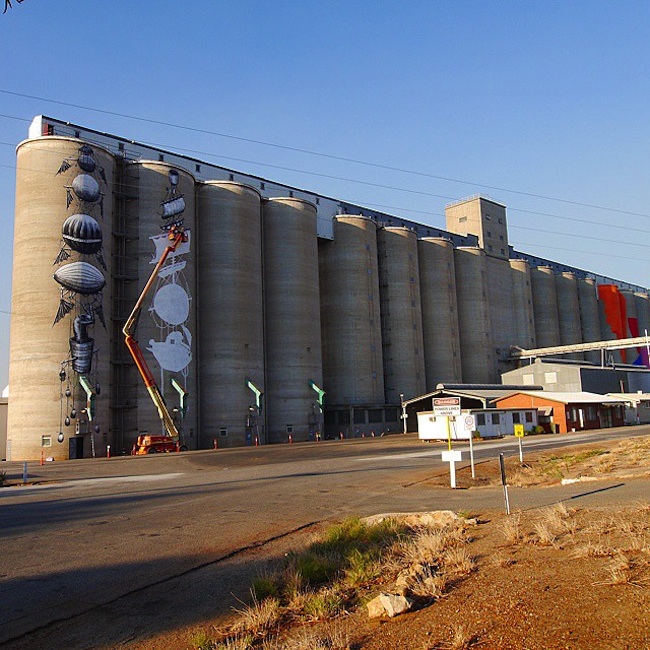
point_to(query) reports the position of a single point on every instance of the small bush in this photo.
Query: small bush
(323, 604)
(3, 478)
(265, 586)
(201, 641)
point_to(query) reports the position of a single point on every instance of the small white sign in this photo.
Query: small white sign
(469, 423)
(452, 456)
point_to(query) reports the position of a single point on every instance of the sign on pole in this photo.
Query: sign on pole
(446, 406)
(470, 426)
(519, 434)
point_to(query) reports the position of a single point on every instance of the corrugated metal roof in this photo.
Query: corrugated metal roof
(578, 397)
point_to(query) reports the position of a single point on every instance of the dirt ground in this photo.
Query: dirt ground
(544, 579)
(553, 578)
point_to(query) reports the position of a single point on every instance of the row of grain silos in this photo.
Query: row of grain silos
(254, 315)
(402, 314)
(232, 321)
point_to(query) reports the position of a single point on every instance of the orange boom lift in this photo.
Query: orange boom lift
(148, 444)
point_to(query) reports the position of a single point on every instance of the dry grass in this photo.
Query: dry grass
(458, 562)
(258, 617)
(428, 584)
(332, 637)
(460, 639)
(511, 529)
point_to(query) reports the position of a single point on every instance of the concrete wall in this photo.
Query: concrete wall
(4, 405)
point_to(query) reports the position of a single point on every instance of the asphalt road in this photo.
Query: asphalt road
(84, 535)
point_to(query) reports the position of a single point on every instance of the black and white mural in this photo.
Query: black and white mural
(170, 307)
(80, 275)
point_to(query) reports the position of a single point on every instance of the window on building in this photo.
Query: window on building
(480, 419)
(529, 417)
(495, 418)
(462, 219)
(289, 428)
(375, 416)
(46, 441)
(391, 415)
(359, 416)
(516, 418)
(550, 377)
(223, 432)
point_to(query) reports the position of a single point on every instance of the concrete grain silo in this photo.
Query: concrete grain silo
(353, 371)
(401, 314)
(231, 314)
(167, 327)
(439, 312)
(502, 313)
(607, 334)
(566, 289)
(60, 318)
(522, 305)
(642, 303)
(547, 325)
(631, 314)
(478, 360)
(292, 309)
(589, 320)
(643, 312)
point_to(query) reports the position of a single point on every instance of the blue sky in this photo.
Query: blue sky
(541, 98)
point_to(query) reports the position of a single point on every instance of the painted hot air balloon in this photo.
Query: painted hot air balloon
(86, 160)
(82, 233)
(86, 188)
(172, 304)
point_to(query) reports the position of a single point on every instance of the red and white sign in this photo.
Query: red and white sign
(446, 406)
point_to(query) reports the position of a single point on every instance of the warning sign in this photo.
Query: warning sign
(519, 430)
(446, 406)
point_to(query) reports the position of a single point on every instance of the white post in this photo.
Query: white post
(471, 453)
(452, 457)
(521, 453)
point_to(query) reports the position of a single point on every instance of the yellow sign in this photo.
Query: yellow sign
(519, 430)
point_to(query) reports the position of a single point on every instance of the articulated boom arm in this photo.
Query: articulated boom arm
(176, 237)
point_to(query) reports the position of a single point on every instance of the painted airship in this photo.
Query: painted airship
(82, 233)
(80, 277)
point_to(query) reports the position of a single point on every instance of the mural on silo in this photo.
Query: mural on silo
(170, 308)
(80, 279)
(623, 320)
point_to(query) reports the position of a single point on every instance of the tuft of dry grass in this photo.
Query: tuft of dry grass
(460, 639)
(593, 549)
(458, 562)
(257, 617)
(428, 583)
(332, 637)
(544, 534)
(511, 529)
